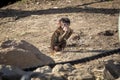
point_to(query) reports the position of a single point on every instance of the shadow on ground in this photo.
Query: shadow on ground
(86, 51)
(21, 13)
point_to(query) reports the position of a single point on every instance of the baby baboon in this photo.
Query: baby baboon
(59, 37)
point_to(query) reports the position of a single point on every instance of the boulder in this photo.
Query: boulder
(58, 68)
(45, 69)
(68, 67)
(71, 78)
(102, 73)
(22, 54)
(86, 76)
(10, 73)
(81, 74)
(34, 76)
(42, 76)
(114, 68)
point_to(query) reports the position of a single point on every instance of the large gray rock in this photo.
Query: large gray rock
(10, 73)
(22, 54)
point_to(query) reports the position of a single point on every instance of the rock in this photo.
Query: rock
(45, 69)
(8, 43)
(62, 71)
(58, 68)
(10, 72)
(36, 79)
(34, 76)
(107, 33)
(82, 74)
(102, 73)
(71, 78)
(114, 68)
(68, 67)
(79, 72)
(81, 77)
(86, 76)
(22, 54)
(58, 76)
(42, 76)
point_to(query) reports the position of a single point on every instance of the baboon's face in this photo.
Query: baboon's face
(63, 25)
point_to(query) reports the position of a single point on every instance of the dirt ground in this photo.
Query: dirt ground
(95, 25)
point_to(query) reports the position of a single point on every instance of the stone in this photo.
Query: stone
(68, 67)
(35, 79)
(22, 54)
(57, 76)
(45, 69)
(82, 74)
(78, 72)
(34, 76)
(71, 78)
(114, 68)
(86, 76)
(10, 72)
(102, 73)
(58, 68)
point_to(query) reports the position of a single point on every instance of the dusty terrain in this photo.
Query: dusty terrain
(95, 25)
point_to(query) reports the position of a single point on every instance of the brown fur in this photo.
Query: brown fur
(57, 45)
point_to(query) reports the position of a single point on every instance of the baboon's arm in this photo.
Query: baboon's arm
(62, 36)
(66, 35)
